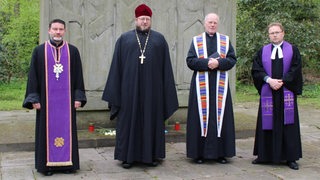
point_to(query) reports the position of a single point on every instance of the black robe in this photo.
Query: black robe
(212, 146)
(283, 141)
(36, 92)
(142, 96)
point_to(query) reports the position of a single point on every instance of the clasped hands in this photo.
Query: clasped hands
(275, 84)
(213, 63)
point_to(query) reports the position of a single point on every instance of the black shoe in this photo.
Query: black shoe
(256, 161)
(198, 160)
(293, 165)
(48, 173)
(222, 160)
(154, 163)
(69, 172)
(126, 165)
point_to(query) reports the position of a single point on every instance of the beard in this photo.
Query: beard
(57, 39)
(143, 29)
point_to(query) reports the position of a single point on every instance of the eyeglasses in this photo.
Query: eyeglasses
(275, 33)
(144, 19)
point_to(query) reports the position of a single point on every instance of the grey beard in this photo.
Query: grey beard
(57, 39)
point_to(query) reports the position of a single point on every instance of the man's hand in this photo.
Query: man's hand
(275, 84)
(36, 106)
(213, 63)
(77, 104)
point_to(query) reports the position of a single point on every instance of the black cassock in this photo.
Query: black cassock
(212, 146)
(36, 92)
(142, 96)
(283, 141)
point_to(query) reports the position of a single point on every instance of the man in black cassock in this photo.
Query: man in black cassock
(276, 72)
(55, 89)
(210, 123)
(141, 92)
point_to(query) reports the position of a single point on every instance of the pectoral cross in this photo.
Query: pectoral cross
(57, 69)
(142, 57)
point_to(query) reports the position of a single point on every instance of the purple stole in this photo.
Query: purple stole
(202, 83)
(266, 91)
(58, 98)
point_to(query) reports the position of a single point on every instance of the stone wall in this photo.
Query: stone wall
(94, 26)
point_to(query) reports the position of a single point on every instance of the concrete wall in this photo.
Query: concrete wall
(94, 26)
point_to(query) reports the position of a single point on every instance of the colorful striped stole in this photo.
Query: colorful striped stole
(202, 83)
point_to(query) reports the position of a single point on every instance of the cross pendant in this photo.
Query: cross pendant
(142, 57)
(57, 69)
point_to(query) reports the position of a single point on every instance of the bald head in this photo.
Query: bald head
(211, 22)
(211, 15)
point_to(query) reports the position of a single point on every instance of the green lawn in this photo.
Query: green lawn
(12, 95)
(246, 93)
(310, 95)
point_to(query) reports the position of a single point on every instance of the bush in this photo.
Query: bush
(300, 19)
(19, 29)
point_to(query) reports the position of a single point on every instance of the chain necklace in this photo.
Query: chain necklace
(57, 67)
(142, 57)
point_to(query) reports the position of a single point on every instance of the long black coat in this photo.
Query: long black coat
(212, 146)
(142, 96)
(283, 142)
(36, 92)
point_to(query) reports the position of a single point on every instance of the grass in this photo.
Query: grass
(246, 93)
(310, 95)
(12, 95)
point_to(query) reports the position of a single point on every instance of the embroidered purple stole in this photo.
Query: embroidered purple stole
(266, 91)
(58, 98)
(202, 83)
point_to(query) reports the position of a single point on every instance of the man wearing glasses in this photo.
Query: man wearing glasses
(277, 76)
(141, 92)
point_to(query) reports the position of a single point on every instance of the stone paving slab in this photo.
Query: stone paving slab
(98, 164)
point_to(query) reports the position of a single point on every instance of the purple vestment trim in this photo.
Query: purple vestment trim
(59, 134)
(266, 91)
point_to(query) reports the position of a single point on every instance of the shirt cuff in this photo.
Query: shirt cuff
(266, 79)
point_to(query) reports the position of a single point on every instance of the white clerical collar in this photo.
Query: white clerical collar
(274, 51)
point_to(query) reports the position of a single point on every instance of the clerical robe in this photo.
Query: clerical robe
(141, 96)
(211, 146)
(282, 142)
(36, 93)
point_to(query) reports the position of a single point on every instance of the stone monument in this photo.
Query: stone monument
(94, 26)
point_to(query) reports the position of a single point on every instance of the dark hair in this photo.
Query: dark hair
(57, 21)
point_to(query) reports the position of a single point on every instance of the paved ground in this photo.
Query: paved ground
(17, 157)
